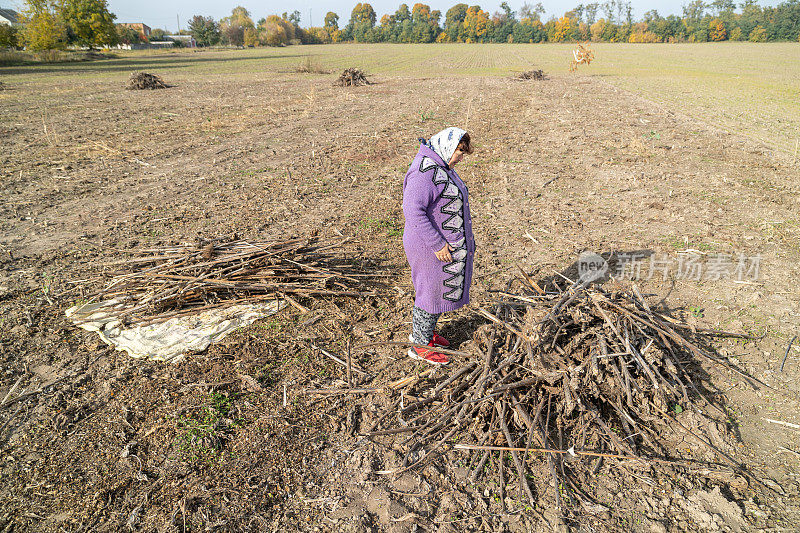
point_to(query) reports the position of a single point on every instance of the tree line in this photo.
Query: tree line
(57, 23)
(609, 21)
(239, 29)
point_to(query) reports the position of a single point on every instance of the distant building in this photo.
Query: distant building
(143, 29)
(161, 44)
(187, 40)
(9, 16)
(146, 46)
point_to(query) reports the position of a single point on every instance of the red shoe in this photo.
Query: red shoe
(429, 356)
(438, 340)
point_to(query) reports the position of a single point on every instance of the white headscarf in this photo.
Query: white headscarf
(445, 143)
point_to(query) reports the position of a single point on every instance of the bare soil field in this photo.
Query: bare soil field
(93, 440)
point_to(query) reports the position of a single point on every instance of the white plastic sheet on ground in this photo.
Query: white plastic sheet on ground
(172, 339)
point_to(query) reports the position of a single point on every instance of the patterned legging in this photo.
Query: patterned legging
(422, 324)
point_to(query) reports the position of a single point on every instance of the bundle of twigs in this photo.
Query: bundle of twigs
(352, 77)
(172, 281)
(578, 372)
(143, 81)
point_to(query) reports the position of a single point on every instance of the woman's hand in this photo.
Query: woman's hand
(444, 254)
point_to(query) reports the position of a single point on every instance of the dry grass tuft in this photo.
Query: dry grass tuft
(310, 66)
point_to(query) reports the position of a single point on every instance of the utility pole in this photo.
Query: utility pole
(310, 20)
(178, 18)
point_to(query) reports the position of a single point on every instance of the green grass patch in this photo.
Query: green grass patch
(686, 242)
(390, 227)
(203, 432)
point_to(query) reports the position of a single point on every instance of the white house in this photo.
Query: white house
(9, 16)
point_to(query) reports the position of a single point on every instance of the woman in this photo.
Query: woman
(438, 237)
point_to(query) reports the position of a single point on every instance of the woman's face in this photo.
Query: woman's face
(458, 155)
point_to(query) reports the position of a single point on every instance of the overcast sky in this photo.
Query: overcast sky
(165, 14)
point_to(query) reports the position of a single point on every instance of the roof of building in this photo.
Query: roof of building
(10, 15)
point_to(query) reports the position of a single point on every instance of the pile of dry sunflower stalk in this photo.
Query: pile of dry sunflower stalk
(144, 81)
(531, 75)
(566, 378)
(352, 77)
(177, 280)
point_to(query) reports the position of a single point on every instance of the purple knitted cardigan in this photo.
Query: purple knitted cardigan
(436, 208)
